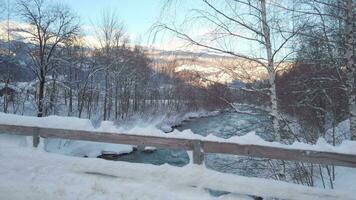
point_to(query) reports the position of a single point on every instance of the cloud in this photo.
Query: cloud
(13, 25)
(170, 41)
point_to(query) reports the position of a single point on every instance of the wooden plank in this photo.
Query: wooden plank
(316, 157)
(18, 130)
(118, 138)
(198, 155)
(36, 137)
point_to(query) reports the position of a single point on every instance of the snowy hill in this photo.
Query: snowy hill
(211, 66)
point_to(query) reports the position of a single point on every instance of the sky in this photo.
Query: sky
(137, 15)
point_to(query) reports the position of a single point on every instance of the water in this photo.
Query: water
(228, 124)
(224, 125)
(159, 157)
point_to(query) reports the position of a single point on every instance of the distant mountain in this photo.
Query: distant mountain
(209, 66)
(17, 65)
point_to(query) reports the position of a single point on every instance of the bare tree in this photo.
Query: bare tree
(233, 22)
(7, 76)
(49, 26)
(335, 21)
(109, 34)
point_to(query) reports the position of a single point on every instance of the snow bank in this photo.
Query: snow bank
(66, 147)
(342, 132)
(31, 174)
(347, 147)
(84, 148)
(166, 122)
(72, 123)
(163, 121)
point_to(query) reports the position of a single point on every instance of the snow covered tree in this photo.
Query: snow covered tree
(109, 33)
(261, 24)
(331, 33)
(49, 26)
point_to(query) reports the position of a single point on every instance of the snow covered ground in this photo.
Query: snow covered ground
(27, 173)
(33, 174)
(95, 149)
(72, 123)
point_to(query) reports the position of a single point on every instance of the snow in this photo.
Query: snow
(69, 147)
(150, 148)
(72, 123)
(167, 122)
(19, 86)
(198, 68)
(28, 173)
(342, 132)
(85, 149)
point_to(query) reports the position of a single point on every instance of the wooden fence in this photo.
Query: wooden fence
(199, 147)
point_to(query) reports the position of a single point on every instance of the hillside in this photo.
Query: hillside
(211, 67)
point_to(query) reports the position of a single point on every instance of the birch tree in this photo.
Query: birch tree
(350, 56)
(233, 22)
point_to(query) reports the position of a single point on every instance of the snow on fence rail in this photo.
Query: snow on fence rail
(198, 146)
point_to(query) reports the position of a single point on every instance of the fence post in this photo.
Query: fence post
(36, 137)
(198, 155)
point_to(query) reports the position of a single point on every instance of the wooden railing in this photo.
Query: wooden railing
(199, 147)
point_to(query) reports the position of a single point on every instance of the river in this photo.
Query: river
(224, 125)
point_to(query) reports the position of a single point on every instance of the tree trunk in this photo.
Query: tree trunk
(41, 97)
(351, 67)
(105, 95)
(70, 104)
(81, 100)
(6, 96)
(116, 99)
(271, 71)
(53, 97)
